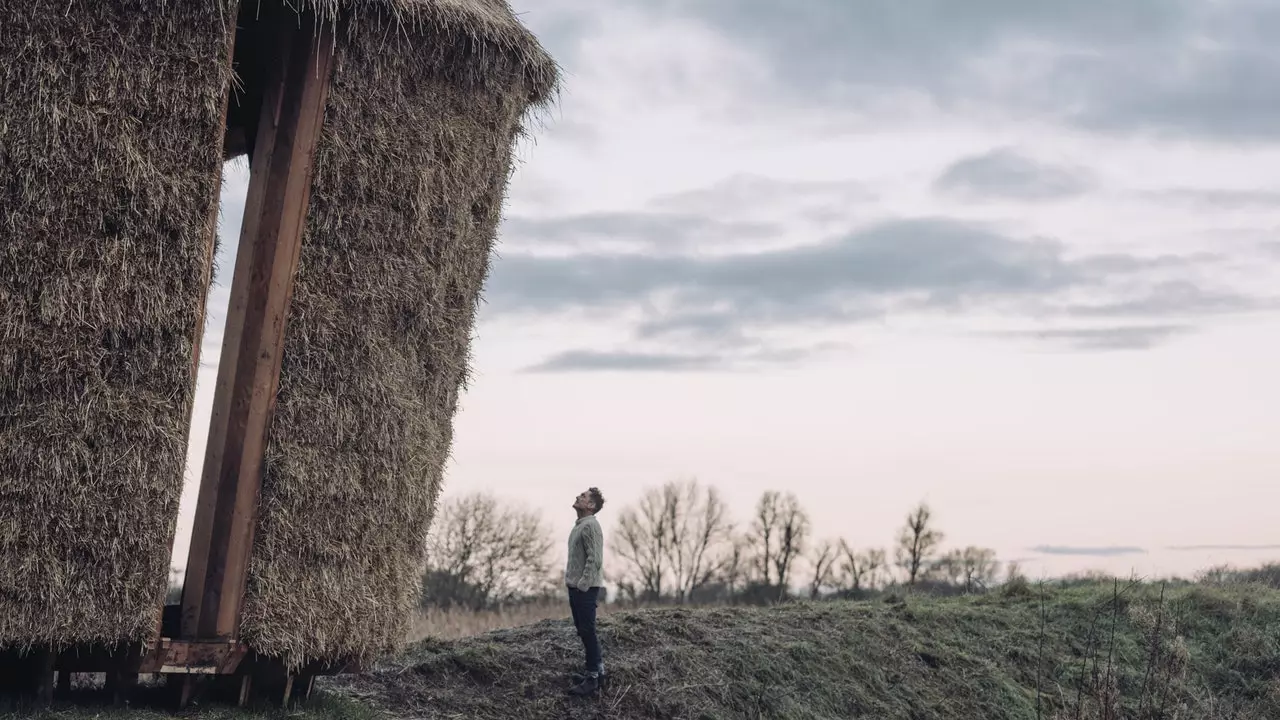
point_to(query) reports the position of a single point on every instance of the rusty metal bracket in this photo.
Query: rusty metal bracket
(193, 657)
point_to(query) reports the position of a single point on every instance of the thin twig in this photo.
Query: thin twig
(1111, 650)
(1084, 662)
(1153, 657)
(1040, 653)
(1168, 677)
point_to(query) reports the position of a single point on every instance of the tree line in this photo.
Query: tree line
(678, 543)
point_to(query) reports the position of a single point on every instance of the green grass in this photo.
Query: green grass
(1217, 655)
(977, 657)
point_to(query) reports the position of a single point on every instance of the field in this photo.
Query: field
(1084, 652)
(458, 624)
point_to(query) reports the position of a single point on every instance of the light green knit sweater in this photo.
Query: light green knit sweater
(585, 568)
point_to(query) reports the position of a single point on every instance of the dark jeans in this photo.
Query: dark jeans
(583, 605)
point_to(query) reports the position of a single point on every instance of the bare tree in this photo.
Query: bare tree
(859, 570)
(673, 540)
(979, 568)
(699, 523)
(640, 540)
(763, 536)
(972, 569)
(822, 561)
(917, 543)
(779, 533)
(948, 569)
(734, 566)
(482, 552)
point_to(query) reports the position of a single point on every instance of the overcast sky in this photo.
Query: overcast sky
(1017, 258)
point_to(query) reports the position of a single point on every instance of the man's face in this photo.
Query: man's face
(583, 502)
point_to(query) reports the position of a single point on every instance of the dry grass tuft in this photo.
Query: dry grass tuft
(457, 623)
(109, 114)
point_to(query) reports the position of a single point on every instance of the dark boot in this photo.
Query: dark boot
(590, 685)
(602, 679)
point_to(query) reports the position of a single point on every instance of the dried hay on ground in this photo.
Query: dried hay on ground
(108, 169)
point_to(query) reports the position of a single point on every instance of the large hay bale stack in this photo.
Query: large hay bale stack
(108, 172)
(409, 181)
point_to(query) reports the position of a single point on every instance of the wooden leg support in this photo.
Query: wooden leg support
(286, 699)
(64, 684)
(186, 691)
(246, 688)
(45, 678)
(27, 678)
(308, 687)
(120, 685)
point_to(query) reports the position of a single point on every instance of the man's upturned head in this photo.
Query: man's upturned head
(589, 502)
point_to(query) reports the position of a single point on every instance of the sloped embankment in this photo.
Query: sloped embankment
(1196, 652)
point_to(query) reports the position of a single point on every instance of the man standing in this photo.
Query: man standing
(584, 574)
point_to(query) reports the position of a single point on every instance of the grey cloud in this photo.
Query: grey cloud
(935, 261)
(1004, 173)
(927, 264)
(1174, 298)
(721, 303)
(1195, 548)
(731, 356)
(656, 230)
(231, 202)
(1104, 551)
(595, 361)
(1175, 66)
(1227, 91)
(746, 191)
(560, 25)
(1217, 198)
(1107, 338)
(676, 221)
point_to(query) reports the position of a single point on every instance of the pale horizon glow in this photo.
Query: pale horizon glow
(1051, 316)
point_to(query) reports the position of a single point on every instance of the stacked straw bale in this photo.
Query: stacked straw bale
(427, 100)
(108, 168)
(109, 115)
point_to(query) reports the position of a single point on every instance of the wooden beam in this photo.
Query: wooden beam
(248, 376)
(190, 657)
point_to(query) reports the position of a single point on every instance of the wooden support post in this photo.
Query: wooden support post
(246, 690)
(186, 691)
(308, 687)
(42, 666)
(286, 699)
(121, 684)
(248, 375)
(64, 683)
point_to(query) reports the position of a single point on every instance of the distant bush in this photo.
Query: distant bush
(1267, 575)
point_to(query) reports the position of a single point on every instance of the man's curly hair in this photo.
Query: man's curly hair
(596, 498)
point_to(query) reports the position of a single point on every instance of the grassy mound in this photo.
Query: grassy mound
(1195, 652)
